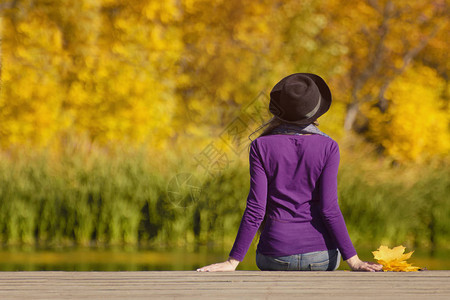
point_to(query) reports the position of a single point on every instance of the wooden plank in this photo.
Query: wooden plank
(239, 284)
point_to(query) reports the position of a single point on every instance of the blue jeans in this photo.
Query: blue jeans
(327, 260)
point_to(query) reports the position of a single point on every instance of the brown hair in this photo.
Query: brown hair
(271, 124)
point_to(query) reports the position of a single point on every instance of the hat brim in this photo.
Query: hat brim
(325, 103)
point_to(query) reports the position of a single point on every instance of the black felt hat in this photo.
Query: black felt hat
(300, 98)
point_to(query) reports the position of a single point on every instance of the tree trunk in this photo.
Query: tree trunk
(350, 116)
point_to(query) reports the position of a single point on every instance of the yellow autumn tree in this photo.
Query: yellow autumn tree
(383, 40)
(382, 47)
(122, 77)
(415, 125)
(156, 72)
(32, 91)
(103, 69)
(224, 62)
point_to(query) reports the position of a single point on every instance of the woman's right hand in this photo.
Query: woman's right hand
(357, 264)
(228, 265)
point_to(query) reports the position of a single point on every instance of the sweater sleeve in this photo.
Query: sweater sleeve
(256, 206)
(331, 213)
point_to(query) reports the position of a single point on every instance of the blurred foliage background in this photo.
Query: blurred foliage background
(126, 122)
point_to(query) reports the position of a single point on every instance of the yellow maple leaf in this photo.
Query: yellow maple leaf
(394, 259)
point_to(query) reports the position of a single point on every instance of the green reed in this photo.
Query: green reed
(397, 209)
(97, 198)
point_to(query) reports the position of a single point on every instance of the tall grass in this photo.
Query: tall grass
(393, 212)
(98, 198)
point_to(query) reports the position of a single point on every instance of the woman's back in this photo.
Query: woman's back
(294, 178)
(293, 165)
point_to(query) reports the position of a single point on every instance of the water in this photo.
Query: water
(122, 259)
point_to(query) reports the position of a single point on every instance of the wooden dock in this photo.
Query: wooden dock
(229, 285)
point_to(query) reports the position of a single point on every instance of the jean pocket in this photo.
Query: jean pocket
(268, 263)
(278, 264)
(321, 266)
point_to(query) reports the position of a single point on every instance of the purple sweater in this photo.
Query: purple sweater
(294, 179)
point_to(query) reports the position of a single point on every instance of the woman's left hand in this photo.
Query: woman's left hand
(229, 265)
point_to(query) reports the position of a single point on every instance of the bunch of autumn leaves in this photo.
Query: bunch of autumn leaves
(394, 259)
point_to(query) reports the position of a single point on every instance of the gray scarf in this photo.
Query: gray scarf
(286, 128)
